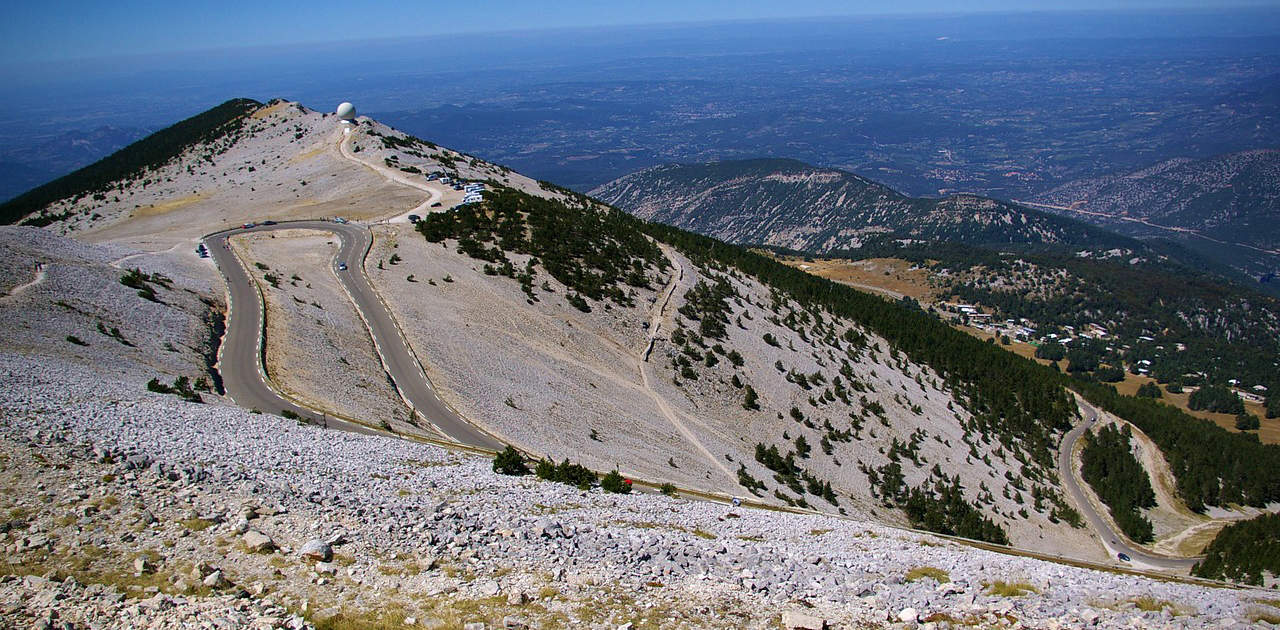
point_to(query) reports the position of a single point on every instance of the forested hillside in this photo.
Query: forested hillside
(1212, 466)
(1247, 552)
(1124, 309)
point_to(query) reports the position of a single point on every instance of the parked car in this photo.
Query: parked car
(339, 220)
(413, 218)
(342, 266)
(268, 222)
(435, 205)
(1124, 557)
(247, 225)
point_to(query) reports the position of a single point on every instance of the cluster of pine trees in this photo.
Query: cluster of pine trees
(1217, 398)
(593, 252)
(937, 505)
(1244, 552)
(790, 474)
(708, 305)
(1119, 480)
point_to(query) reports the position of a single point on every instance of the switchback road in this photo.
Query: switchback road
(242, 347)
(1115, 542)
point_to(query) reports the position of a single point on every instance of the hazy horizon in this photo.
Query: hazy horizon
(480, 92)
(40, 34)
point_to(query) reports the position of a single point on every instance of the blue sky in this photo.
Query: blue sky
(73, 29)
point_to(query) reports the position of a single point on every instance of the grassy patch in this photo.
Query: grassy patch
(408, 569)
(196, 524)
(94, 565)
(1146, 603)
(1257, 615)
(1001, 588)
(700, 533)
(932, 573)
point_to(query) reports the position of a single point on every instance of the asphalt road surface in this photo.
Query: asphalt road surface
(241, 361)
(1115, 542)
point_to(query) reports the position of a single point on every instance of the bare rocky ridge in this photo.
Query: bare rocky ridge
(283, 163)
(790, 204)
(1233, 197)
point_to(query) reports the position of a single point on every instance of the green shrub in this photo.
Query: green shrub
(1248, 422)
(1149, 390)
(510, 462)
(667, 489)
(567, 473)
(613, 482)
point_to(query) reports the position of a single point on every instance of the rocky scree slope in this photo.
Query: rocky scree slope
(786, 203)
(791, 399)
(129, 324)
(129, 509)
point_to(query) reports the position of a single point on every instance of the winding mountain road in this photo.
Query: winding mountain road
(240, 360)
(1115, 542)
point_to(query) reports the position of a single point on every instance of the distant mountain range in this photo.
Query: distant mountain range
(787, 203)
(1233, 199)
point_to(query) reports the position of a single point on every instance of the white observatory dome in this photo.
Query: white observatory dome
(346, 111)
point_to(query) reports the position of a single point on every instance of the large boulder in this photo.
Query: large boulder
(792, 620)
(316, 549)
(215, 580)
(256, 541)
